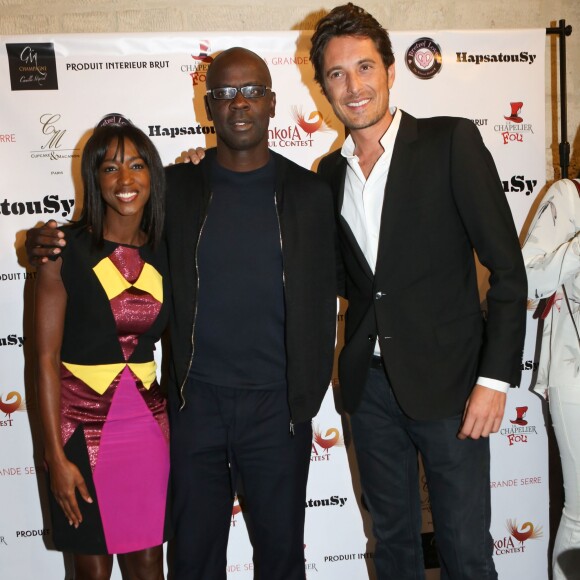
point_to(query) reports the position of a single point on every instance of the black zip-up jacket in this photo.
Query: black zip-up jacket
(308, 240)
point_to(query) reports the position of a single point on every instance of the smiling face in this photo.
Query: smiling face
(241, 124)
(357, 83)
(124, 181)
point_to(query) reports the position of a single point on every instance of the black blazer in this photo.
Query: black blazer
(443, 199)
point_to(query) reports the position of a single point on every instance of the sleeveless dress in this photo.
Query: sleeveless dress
(113, 416)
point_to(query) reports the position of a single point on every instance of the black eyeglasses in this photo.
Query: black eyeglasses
(229, 93)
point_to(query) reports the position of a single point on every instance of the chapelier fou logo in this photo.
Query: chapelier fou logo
(32, 66)
(203, 52)
(197, 69)
(514, 129)
(519, 431)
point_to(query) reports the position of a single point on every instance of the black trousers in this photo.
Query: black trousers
(221, 435)
(386, 443)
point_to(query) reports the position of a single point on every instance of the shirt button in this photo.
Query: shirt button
(379, 295)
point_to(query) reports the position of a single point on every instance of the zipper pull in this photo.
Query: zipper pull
(292, 427)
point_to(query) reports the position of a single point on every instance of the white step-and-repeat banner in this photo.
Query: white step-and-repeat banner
(53, 89)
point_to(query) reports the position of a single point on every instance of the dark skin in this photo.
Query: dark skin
(241, 126)
(121, 224)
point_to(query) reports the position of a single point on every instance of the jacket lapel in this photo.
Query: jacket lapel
(402, 170)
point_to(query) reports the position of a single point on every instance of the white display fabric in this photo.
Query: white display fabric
(47, 108)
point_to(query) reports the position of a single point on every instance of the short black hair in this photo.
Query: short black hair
(93, 212)
(348, 20)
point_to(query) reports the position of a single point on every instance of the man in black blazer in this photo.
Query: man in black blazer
(420, 370)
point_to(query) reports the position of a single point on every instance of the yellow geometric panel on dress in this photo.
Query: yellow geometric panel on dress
(113, 282)
(98, 377)
(110, 278)
(150, 281)
(146, 372)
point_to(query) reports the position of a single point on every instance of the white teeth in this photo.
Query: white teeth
(127, 195)
(359, 103)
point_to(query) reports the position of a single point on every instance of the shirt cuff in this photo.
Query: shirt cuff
(493, 384)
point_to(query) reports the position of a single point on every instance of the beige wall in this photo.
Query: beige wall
(63, 16)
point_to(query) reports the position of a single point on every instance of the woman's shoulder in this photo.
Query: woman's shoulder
(155, 255)
(75, 231)
(78, 241)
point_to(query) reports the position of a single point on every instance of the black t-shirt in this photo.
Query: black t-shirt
(239, 325)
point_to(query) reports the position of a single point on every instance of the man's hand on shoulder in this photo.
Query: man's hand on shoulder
(43, 242)
(483, 413)
(191, 156)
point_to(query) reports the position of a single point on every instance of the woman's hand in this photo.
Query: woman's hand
(65, 479)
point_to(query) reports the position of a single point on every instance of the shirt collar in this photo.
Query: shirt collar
(387, 140)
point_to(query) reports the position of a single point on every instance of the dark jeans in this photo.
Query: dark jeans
(223, 433)
(386, 443)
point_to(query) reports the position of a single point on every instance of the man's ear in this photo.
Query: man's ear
(391, 76)
(207, 109)
(272, 105)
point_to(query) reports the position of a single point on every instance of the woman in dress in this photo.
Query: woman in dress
(101, 305)
(552, 257)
